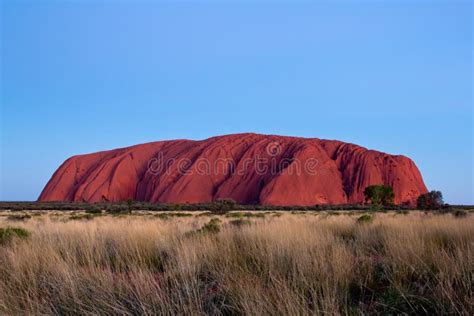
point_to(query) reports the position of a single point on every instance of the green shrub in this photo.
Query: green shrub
(180, 214)
(212, 227)
(94, 210)
(204, 214)
(348, 235)
(403, 212)
(245, 214)
(235, 214)
(77, 217)
(222, 206)
(442, 211)
(19, 217)
(176, 207)
(10, 233)
(173, 214)
(365, 218)
(240, 222)
(460, 213)
(163, 216)
(256, 215)
(117, 209)
(379, 195)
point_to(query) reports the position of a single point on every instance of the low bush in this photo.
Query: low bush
(442, 211)
(204, 214)
(77, 217)
(222, 206)
(235, 214)
(173, 214)
(180, 214)
(245, 214)
(256, 215)
(19, 217)
(118, 209)
(402, 212)
(240, 222)
(94, 210)
(163, 216)
(212, 227)
(460, 213)
(8, 234)
(365, 218)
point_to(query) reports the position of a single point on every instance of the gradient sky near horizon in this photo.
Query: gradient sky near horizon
(84, 76)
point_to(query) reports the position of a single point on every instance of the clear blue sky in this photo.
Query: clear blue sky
(82, 76)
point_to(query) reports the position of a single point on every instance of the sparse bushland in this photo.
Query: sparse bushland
(125, 207)
(293, 264)
(128, 206)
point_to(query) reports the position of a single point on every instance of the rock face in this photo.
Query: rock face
(249, 168)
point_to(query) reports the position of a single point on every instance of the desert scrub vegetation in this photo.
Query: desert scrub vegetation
(86, 216)
(219, 206)
(292, 264)
(240, 222)
(19, 217)
(365, 218)
(245, 214)
(8, 234)
(169, 215)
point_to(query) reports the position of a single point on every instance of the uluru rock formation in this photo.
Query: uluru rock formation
(249, 168)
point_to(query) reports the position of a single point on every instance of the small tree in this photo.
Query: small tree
(379, 195)
(430, 201)
(130, 205)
